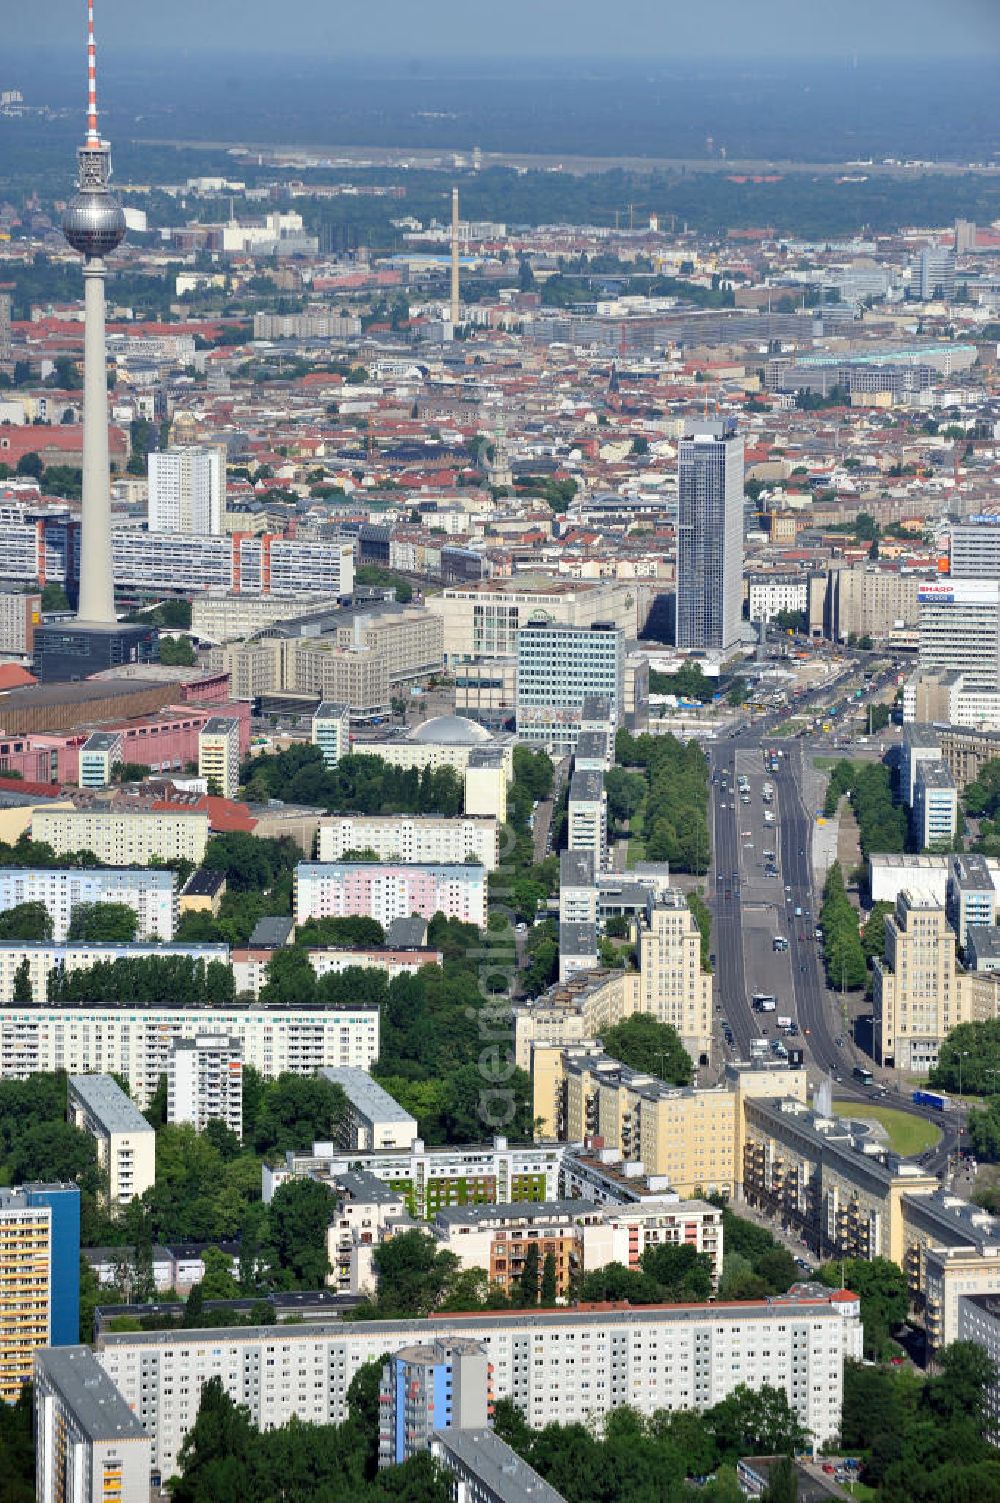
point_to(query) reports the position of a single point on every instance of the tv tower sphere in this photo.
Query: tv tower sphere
(94, 220)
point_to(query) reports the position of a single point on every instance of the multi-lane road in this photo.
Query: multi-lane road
(749, 908)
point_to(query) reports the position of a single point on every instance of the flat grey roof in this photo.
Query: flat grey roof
(367, 1096)
(101, 741)
(497, 1466)
(921, 735)
(220, 725)
(578, 939)
(586, 786)
(576, 869)
(89, 1394)
(524, 1210)
(971, 873)
(599, 1316)
(592, 744)
(934, 775)
(330, 709)
(105, 1099)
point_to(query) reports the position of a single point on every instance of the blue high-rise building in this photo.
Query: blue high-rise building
(428, 1388)
(64, 1203)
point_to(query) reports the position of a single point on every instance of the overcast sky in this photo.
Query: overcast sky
(650, 29)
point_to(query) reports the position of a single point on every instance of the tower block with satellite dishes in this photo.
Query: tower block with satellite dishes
(94, 225)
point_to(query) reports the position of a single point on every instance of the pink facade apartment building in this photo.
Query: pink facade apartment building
(387, 891)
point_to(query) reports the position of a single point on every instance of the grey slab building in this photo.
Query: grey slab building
(487, 1470)
(89, 1446)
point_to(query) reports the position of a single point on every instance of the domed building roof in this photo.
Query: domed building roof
(450, 730)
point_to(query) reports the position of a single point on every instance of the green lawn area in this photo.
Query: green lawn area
(908, 1135)
(636, 851)
(824, 764)
(860, 1490)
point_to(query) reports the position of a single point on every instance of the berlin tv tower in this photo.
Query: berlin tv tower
(94, 224)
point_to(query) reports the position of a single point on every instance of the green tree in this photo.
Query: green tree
(300, 1213)
(530, 1272)
(297, 1110)
(355, 931)
(881, 1286)
(755, 1422)
(103, 923)
(129, 772)
(782, 1483)
(177, 652)
(26, 921)
(54, 598)
(549, 1287)
(17, 1449)
(626, 793)
(644, 1043)
(22, 991)
(291, 980)
(413, 1277)
(970, 1057)
(218, 1281)
(703, 918)
(842, 949)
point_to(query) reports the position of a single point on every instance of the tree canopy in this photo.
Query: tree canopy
(644, 1043)
(226, 1459)
(676, 807)
(361, 783)
(881, 821)
(843, 952)
(103, 923)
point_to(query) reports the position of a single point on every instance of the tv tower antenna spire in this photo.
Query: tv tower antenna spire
(93, 136)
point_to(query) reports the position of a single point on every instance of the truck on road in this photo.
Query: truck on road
(937, 1099)
(764, 1002)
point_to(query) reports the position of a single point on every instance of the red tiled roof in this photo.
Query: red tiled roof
(13, 676)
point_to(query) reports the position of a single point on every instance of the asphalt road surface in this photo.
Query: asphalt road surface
(736, 904)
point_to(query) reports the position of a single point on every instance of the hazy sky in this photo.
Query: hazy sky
(652, 29)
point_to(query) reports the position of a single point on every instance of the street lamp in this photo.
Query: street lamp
(962, 1054)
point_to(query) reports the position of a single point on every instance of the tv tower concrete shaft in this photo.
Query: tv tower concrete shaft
(456, 307)
(97, 595)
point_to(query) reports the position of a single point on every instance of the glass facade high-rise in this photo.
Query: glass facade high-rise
(558, 667)
(710, 536)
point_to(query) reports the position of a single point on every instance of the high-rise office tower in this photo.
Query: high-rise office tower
(94, 225)
(455, 301)
(710, 536)
(960, 630)
(6, 349)
(187, 489)
(975, 548)
(558, 668)
(934, 274)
